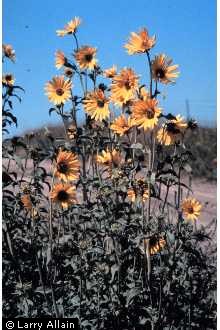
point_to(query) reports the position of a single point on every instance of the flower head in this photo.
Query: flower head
(58, 90)
(68, 72)
(162, 70)
(154, 245)
(85, 57)
(67, 166)
(122, 125)
(146, 113)
(72, 131)
(70, 27)
(26, 201)
(139, 190)
(124, 85)
(171, 131)
(9, 52)
(96, 105)
(8, 79)
(111, 72)
(140, 42)
(63, 194)
(60, 59)
(109, 158)
(191, 208)
(28, 205)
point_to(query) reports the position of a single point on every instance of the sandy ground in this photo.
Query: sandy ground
(206, 193)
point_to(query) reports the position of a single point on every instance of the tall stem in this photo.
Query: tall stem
(79, 72)
(150, 70)
(51, 248)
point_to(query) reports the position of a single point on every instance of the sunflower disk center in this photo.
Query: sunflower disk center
(100, 103)
(150, 113)
(8, 77)
(59, 91)
(62, 196)
(62, 167)
(171, 127)
(160, 73)
(127, 85)
(88, 57)
(190, 210)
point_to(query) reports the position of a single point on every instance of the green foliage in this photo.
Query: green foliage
(111, 261)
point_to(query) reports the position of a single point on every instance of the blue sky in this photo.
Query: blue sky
(185, 30)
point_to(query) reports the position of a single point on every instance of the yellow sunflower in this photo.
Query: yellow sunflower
(85, 57)
(67, 166)
(171, 132)
(60, 59)
(140, 42)
(8, 51)
(8, 79)
(70, 28)
(96, 105)
(146, 113)
(111, 72)
(109, 158)
(124, 86)
(58, 90)
(155, 245)
(63, 194)
(139, 190)
(122, 125)
(162, 70)
(191, 208)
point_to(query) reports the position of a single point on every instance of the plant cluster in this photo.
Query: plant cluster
(99, 225)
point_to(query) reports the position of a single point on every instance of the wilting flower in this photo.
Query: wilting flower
(58, 90)
(60, 59)
(192, 124)
(63, 194)
(26, 201)
(96, 105)
(191, 208)
(68, 72)
(71, 131)
(70, 28)
(85, 57)
(138, 190)
(109, 158)
(67, 166)
(8, 79)
(140, 42)
(28, 205)
(122, 125)
(154, 245)
(124, 85)
(9, 52)
(146, 113)
(111, 72)
(162, 70)
(170, 132)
